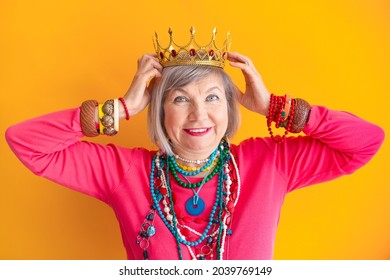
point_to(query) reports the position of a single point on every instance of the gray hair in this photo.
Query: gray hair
(179, 76)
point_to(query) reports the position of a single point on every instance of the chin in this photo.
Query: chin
(197, 148)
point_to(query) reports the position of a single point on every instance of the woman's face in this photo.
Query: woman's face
(196, 117)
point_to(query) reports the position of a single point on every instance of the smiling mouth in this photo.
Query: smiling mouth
(197, 131)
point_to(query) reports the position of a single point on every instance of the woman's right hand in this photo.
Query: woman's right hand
(137, 96)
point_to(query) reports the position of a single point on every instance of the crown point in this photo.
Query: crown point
(214, 32)
(192, 53)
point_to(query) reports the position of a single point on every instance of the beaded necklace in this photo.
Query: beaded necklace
(213, 222)
(195, 205)
(213, 237)
(175, 170)
(192, 168)
(196, 161)
(209, 162)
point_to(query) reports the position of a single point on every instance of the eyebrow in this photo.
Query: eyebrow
(212, 88)
(186, 92)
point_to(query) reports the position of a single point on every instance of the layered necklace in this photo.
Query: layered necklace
(209, 244)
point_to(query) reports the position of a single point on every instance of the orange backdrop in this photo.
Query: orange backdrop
(55, 54)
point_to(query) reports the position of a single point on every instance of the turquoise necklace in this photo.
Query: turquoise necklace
(195, 205)
(209, 162)
(188, 185)
(219, 216)
(173, 229)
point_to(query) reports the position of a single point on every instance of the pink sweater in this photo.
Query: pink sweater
(336, 143)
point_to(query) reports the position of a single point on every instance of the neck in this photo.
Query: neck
(202, 166)
(194, 159)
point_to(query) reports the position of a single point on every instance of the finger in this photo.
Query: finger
(157, 65)
(243, 66)
(145, 58)
(152, 73)
(149, 62)
(152, 56)
(237, 57)
(232, 54)
(250, 74)
(233, 59)
(146, 55)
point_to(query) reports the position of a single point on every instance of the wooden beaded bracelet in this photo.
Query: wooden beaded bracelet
(301, 116)
(107, 118)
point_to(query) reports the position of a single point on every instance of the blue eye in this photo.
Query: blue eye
(180, 99)
(212, 97)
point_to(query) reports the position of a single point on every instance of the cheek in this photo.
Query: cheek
(221, 116)
(172, 122)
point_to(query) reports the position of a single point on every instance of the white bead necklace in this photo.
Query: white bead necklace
(194, 161)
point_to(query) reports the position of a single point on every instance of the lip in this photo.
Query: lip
(197, 131)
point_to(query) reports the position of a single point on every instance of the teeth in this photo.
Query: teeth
(198, 130)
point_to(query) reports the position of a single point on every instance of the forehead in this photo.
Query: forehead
(205, 84)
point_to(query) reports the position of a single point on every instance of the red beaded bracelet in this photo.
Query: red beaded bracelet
(276, 109)
(125, 106)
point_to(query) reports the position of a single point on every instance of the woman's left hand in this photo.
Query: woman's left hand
(256, 97)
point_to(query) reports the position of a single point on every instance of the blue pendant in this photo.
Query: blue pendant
(151, 231)
(195, 209)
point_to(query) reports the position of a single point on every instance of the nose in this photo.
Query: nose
(198, 111)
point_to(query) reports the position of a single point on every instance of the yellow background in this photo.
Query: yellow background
(55, 54)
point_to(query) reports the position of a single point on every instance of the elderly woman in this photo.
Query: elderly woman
(197, 197)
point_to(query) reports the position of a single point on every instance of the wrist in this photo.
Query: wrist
(123, 109)
(265, 109)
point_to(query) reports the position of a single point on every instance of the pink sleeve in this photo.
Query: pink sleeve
(336, 143)
(50, 147)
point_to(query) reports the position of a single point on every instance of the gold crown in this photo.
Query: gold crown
(192, 53)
